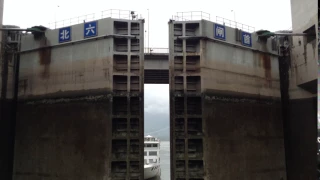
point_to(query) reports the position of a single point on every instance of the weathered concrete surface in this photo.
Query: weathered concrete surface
(244, 139)
(303, 13)
(156, 68)
(62, 69)
(239, 70)
(302, 160)
(66, 135)
(304, 53)
(65, 120)
(1, 20)
(156, 61)
(299, 117)
(69, 139)
(6, 138)
(8, 64)
(234, 93)
(244, 131)
(299, 94)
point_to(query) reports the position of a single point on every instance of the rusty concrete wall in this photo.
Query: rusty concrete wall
(81, 67)
(304, 52)
(8, 67)
(63, 140)
(225, 108)
(1, 17)
(238, 69)
(244, 139)
(6, 153)
(299, 91)
(300, 124)
(80, 111)
(60, 69)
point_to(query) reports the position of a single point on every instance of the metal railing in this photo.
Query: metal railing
(234, 24)
(151, 50)
(72, 21)
(199, 15)
(111, 13)
(119, 14)
(191, 16)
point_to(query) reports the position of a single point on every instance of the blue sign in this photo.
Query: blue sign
(246, 39)
(64, 34)
(90, 29)
(219, 32)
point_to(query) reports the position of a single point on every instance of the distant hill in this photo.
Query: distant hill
(157, 124)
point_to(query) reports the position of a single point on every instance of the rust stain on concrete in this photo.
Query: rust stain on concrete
(266, 62)
(45, 57)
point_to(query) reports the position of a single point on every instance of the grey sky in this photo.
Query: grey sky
(156, 110)
(271, 15)
(156, 98)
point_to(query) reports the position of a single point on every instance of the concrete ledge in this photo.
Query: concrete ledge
(240, 97)
(66, 94)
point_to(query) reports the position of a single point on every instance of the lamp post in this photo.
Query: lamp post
(145, 40)
(55, 16)
(234, 17)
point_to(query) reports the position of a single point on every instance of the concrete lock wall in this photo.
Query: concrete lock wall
(225, 108)
(156, 68)
(7, 106)
(80, 111)
(304, 51)
(300, 93)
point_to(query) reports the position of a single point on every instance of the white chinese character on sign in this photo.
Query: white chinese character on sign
(90, 28)
(246, 39)
(65, 34)
(220, 31)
